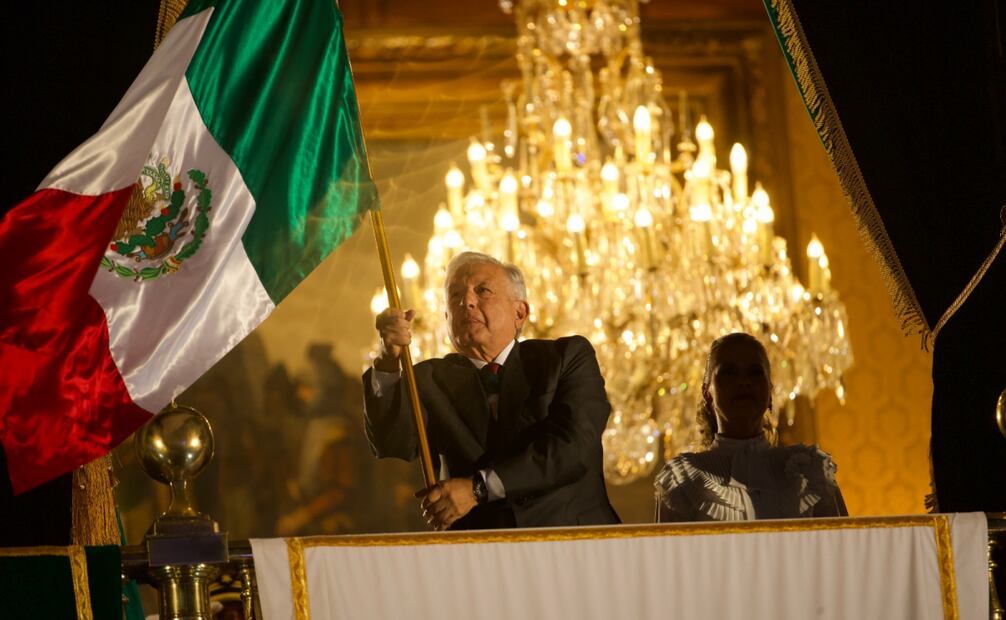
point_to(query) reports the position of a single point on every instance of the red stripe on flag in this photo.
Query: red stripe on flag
(62, 400)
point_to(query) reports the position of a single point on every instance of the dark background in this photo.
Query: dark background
(66, 65)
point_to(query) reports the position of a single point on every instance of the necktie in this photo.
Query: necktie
(489, 376)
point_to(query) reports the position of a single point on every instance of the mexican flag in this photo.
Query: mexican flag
(230, 169)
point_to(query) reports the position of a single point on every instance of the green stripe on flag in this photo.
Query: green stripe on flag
(272, 82)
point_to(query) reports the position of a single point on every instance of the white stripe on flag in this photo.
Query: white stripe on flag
(165, 333)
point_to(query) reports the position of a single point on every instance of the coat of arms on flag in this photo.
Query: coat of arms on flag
(161, 226)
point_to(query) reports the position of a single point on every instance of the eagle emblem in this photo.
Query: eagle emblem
(161, 226)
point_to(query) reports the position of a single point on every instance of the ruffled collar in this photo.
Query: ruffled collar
(729, 444)
(749, 469)
(739, 479)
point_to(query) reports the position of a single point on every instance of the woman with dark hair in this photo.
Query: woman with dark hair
(741, 476)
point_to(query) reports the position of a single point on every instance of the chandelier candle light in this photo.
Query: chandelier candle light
(629, 234)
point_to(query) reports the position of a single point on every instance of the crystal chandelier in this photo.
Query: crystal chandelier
(629, 232)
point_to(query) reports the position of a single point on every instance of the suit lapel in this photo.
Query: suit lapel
(459, 379)
(513, 393)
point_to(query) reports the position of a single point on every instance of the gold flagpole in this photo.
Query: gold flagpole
(387, 268)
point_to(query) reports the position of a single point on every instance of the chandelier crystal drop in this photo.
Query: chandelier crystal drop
(630, 232)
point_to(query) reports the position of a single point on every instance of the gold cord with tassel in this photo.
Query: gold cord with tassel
(93, 505)
(167, 15)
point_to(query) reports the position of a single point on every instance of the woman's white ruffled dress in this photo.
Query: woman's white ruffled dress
(747, 479)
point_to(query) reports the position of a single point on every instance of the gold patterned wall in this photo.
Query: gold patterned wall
(880, 438)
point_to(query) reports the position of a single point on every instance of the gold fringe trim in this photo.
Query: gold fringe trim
(167, 15)
(93, 505)
(829, 127)
(971, 286)
(945, 559)
(298, 579)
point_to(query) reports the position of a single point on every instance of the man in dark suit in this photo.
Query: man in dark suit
(517, 425)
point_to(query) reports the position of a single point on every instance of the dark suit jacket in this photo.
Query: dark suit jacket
(545, 443)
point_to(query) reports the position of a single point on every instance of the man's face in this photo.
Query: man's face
(482, 312)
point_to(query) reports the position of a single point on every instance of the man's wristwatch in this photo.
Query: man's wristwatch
(479, 489)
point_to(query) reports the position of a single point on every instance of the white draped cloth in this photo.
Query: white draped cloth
(921, 567)
(748, 479)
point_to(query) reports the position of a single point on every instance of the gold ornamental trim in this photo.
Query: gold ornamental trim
(298, 572)
(78, 571)
(829, 128)
(939, 523)
(81, 587)
(608, 532)
(945, 559)
(298, 579)
(21, 552)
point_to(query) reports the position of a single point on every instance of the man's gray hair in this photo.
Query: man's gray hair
(465, 259)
